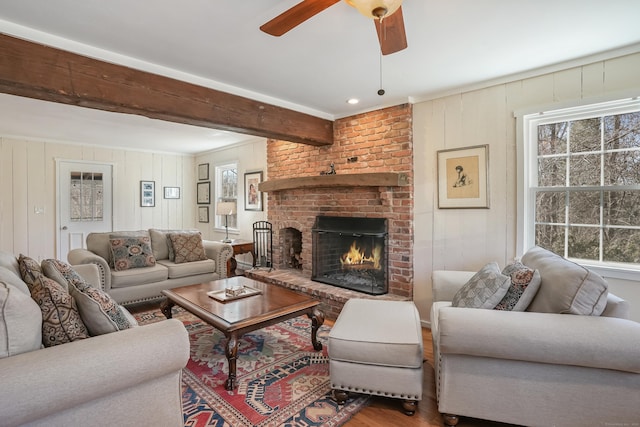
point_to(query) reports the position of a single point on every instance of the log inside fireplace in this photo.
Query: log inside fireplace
(351, 253)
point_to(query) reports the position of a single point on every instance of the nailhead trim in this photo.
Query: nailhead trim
(375, 392)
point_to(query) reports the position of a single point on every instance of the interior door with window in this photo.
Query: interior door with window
(84, 203)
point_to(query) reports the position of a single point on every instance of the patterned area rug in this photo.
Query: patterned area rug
(281, 380)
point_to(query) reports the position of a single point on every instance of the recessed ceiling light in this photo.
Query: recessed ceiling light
(352, 101)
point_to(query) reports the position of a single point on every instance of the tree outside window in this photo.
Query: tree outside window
(583, 189)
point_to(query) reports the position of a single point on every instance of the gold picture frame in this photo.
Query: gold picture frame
(463, 178)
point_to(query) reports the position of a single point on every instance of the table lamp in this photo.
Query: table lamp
(226, 209)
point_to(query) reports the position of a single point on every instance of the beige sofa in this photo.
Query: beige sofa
(145, 284)
(124, 378)
(538, 368)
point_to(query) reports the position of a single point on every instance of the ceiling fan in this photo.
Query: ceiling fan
(386, 14)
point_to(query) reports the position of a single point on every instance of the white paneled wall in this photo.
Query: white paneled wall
(28, 180)
(466, 239)
(251, 157)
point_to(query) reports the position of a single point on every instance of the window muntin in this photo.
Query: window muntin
(583, 187)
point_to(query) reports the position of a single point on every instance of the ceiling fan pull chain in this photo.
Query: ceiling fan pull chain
(381, 90)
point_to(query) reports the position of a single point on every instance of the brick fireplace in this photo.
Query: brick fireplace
(367, 145)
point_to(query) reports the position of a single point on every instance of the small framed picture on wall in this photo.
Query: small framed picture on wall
(147, 194)
(252, 196)
(203, 171)
(171, 192)
(204, 192)
(203, 213)
(462, 177)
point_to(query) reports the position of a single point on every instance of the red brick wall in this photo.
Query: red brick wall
(382, 141)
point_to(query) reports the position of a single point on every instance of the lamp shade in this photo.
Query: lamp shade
(226, 208)
(375, 9)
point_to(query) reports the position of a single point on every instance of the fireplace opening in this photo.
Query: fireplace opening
(351, 253)
(291, 245)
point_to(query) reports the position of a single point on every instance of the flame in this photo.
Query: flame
(357, 256)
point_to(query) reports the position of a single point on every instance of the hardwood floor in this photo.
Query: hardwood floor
(384, 412)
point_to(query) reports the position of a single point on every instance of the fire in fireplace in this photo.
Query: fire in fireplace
(351, 253)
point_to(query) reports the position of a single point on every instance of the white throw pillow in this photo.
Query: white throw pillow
(566, 287)
(20, 322)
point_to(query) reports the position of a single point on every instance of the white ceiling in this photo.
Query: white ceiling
(314, 68)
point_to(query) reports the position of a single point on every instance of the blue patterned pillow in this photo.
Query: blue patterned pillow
(131, 252)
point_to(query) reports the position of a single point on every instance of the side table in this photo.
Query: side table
(240, 247)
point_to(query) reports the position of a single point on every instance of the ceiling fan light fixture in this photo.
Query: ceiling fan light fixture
(375, 9)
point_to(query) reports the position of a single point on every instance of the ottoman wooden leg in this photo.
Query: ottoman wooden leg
(340, 396)
(450, 420)
(409, 406)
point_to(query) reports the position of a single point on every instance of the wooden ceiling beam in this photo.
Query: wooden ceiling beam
(41, 72)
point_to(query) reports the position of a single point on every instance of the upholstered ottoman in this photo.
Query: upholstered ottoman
(375, 347)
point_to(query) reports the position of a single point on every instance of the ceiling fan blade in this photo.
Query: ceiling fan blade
(391, 33)
(295, 16)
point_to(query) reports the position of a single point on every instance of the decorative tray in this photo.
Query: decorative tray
(233, 293)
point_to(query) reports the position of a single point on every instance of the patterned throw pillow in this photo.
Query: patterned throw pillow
(484, 290)
(525, 282)
(187, 247)
(131, 252)
(61, 322)
(100, 313)
(29, 269)
(172, 253)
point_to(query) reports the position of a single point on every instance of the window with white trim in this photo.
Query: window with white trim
(582, 183)
(226, 191)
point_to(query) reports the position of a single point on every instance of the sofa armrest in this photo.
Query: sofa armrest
(219, 252)
(58, 378)
(447, 282)
(90, 273)
(616, 307)
(83, 256)
(562, 339)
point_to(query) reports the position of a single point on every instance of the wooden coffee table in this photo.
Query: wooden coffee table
(239, 316)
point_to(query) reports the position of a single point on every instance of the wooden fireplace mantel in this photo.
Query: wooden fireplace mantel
(379, 179)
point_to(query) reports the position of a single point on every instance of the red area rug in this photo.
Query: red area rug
(281, 380)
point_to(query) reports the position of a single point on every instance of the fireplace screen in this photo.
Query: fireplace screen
(351, 253)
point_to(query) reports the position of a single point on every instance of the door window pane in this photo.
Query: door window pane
(86, 198)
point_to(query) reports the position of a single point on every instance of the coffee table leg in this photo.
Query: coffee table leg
(317, 319)
(231, 352)
(166, 307)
